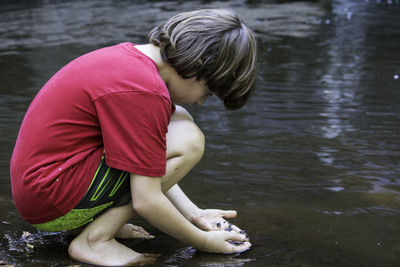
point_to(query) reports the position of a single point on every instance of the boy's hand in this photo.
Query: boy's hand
(214, 220)
(225, 242)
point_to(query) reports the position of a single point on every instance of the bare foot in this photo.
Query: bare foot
(109, 253)
(133, 231)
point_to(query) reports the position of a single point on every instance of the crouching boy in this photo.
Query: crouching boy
(103, 139)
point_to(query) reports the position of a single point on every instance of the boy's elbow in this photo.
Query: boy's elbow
(146, 192)
(143, 204)
(141, 207)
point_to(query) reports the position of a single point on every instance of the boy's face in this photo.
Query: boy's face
(188, 91)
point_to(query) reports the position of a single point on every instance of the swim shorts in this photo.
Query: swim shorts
(109, 188)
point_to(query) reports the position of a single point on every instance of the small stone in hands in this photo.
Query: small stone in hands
(236, 243)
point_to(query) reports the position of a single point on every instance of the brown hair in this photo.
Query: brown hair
(212, 45)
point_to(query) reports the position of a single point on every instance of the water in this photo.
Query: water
(312, 163)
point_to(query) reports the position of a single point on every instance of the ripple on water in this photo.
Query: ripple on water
(380, 210)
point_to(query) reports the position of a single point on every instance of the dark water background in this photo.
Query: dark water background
(312, 163)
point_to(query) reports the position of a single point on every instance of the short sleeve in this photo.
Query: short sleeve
(134, 127)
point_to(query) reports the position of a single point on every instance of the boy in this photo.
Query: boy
(103, 139)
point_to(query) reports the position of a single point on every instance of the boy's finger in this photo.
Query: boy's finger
(240, 231)
(236, 229)
(147, 258)
(238, 248)
(237, 237)
(243, 247)
(233, 228)
(141, 233)
(229, 214)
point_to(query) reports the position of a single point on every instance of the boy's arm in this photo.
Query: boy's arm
(183, 203)
(206, 219)
(149, 201)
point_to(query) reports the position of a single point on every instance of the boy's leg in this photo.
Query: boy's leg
(97, 245)
(108, 187)
(185, 148)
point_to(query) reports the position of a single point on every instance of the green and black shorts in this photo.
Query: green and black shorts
(109, 188)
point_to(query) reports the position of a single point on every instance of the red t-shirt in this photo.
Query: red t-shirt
(112, 100)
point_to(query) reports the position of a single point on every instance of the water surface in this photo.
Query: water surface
(311, 163)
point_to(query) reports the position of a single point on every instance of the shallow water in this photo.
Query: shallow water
(311, 163)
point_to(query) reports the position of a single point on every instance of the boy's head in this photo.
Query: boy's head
(211, 45)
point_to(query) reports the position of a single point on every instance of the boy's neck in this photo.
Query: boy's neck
(153, 52)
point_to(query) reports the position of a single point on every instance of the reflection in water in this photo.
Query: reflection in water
(185, 255)
(341, 79)
(311, 164)
(181, 255)
(344, 70)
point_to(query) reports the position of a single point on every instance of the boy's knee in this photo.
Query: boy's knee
(196, 140)
(186, 138)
